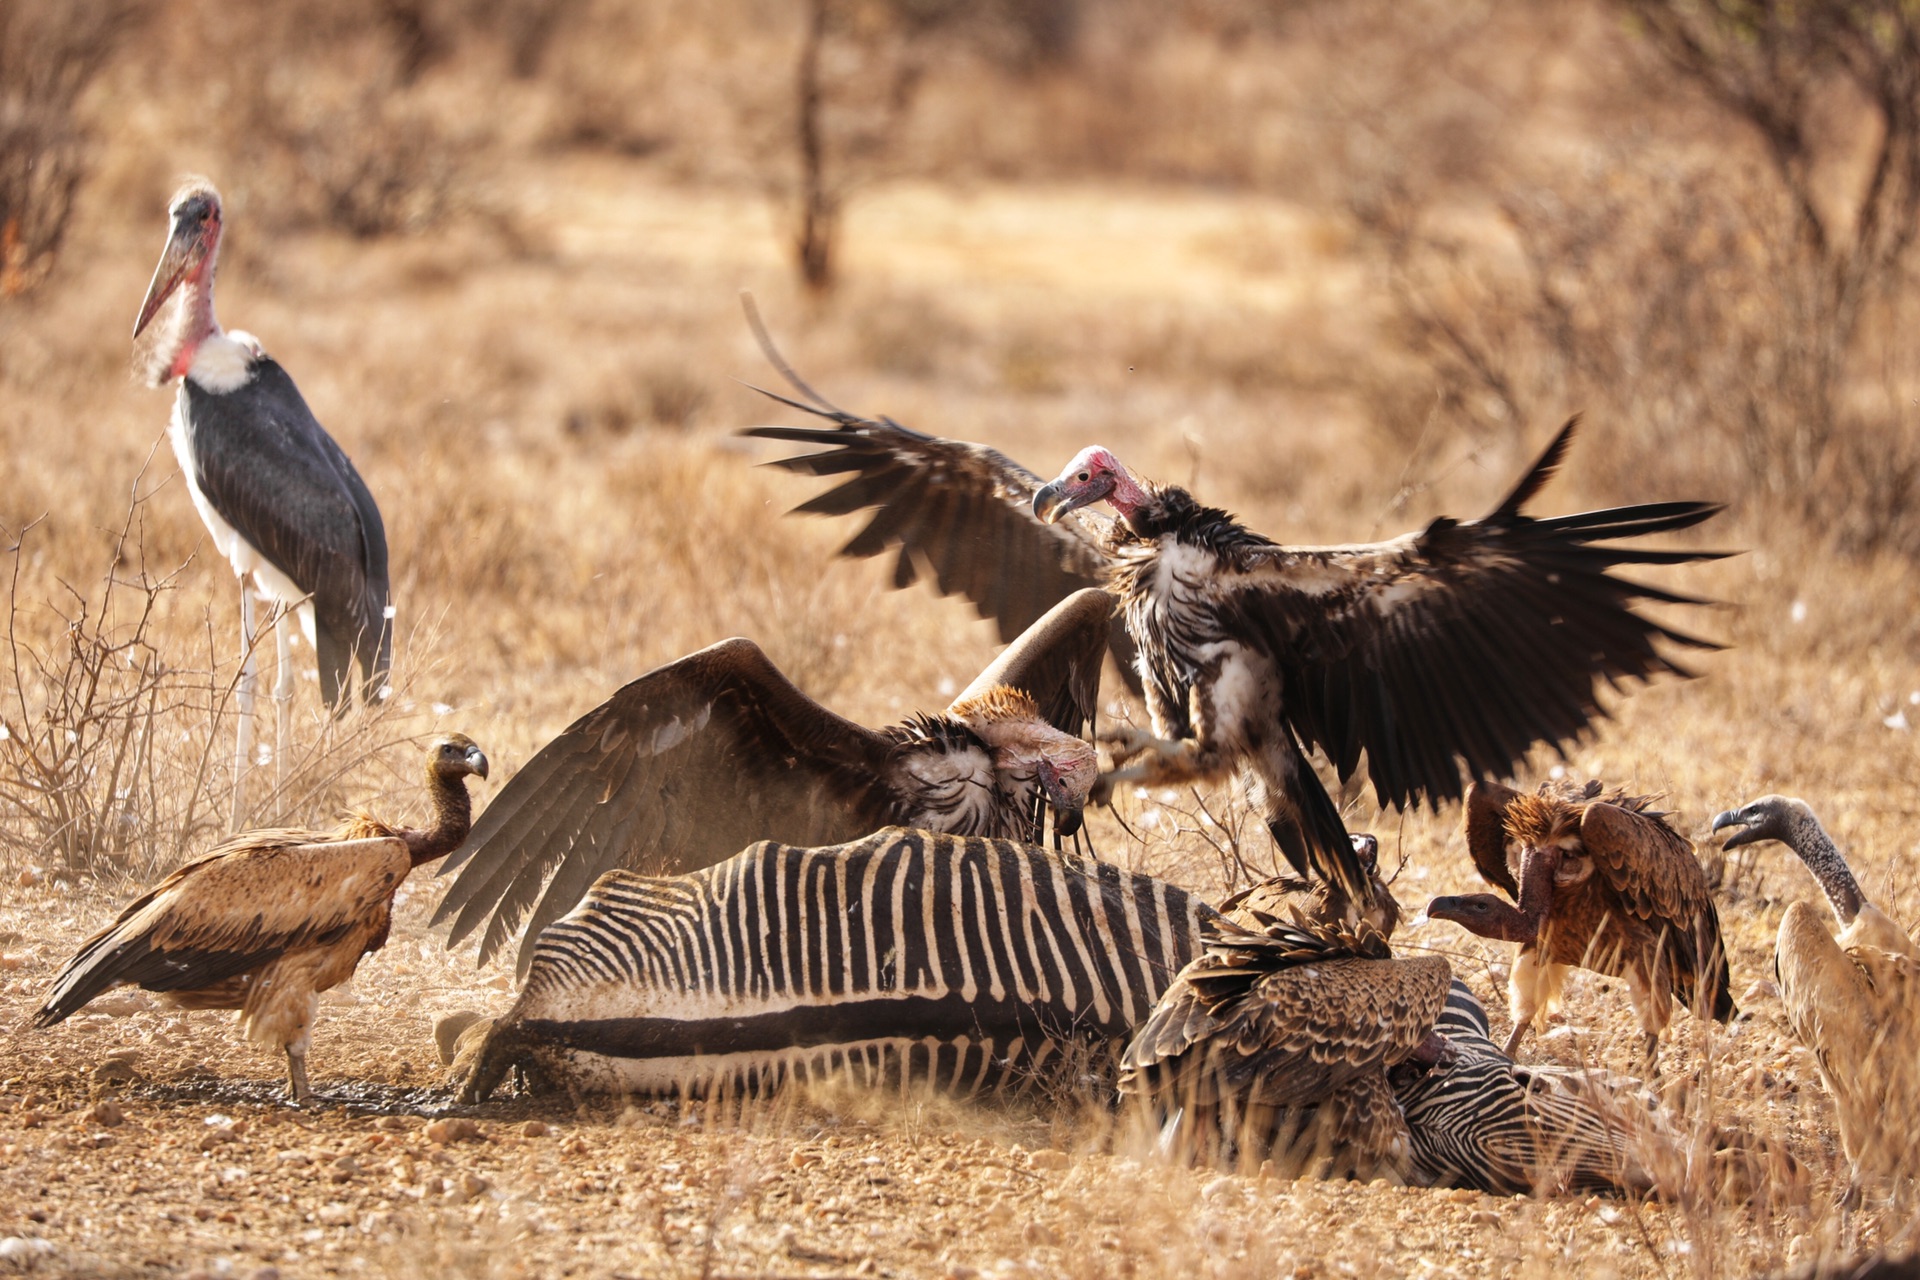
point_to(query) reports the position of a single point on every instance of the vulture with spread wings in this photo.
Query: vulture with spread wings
(709, 753)
(1465, 643)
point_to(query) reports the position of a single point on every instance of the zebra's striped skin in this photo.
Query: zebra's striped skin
(972, 963)
(1485, 1121)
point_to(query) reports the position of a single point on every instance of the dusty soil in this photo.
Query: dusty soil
(139, 1140)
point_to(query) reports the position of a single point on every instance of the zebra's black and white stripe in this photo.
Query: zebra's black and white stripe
(969, 962)
(1487, 1122)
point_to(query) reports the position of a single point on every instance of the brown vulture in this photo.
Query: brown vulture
(1281, 1038)
(1603, 883)
(271, 918)
(1465, 643)
(1854, 1000)
(709, 753)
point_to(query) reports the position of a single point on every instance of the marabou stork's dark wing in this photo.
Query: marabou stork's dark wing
(683, 767)
(963, 510)
(1056, 661)
(273, 473)
(1463, 643)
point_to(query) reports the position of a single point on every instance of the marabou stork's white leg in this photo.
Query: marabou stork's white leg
(282, 694)
(243, 703)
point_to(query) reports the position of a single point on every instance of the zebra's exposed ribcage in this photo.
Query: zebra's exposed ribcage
(1485, 1121)
(969, 962)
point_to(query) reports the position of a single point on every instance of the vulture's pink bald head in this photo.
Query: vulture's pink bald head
(1094, 475)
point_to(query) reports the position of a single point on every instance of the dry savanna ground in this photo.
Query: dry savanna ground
(543, 401)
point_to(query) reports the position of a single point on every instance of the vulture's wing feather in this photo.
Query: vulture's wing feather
(1466, 643)
(962, 510)
(271, 471)
(684, 766)
(1231, 1026)
(1056, 661)
(1655, 876)
(251, 901)
(1485, 824)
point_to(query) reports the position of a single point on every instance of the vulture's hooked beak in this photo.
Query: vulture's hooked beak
(1073, 490)
(185, 254)
(1751, 828)
(477, 761)
(1050, 502)
(1068, 804)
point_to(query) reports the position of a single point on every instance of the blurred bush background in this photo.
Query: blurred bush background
(1342, 264)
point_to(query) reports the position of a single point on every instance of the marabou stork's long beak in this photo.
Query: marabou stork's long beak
(186, 251)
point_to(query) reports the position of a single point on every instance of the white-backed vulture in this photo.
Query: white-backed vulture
(1465, 643)
(1602, 882)
(709, 753)
(1853, 999)
(271, 918)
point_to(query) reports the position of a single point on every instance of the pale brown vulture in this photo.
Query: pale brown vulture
(1279, 1040)
(709, 753)
(269, 919)
(1854, 1000)
(1602, 882)
(1463, 644)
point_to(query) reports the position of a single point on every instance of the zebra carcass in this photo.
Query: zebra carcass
(969, 963)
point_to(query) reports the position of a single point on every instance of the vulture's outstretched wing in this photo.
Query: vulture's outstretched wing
(1057, 660)
(683, 767)
(963, 510)
(1468, 642)
(270, 470)
(1654, 874)
(231, 912)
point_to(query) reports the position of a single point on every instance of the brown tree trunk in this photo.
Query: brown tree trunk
(819, 210)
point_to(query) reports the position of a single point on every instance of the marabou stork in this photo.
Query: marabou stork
(283, 503)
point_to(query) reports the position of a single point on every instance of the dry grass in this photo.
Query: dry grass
(541, 394)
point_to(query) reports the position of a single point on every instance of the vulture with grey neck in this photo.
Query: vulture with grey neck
(1601, 882)
(707, 754)
(271, 918)
(1853, 999)
(1463, 644)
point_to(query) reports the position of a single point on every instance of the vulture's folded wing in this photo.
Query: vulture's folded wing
(962, 510)
(681, 768)
(1654, 874)
(1485, 825)
(1287, 1037)
(1466, 643)
(1056, 661)
(230, 913)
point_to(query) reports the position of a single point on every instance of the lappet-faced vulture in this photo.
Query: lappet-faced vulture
(1463, 644)
(709, 753)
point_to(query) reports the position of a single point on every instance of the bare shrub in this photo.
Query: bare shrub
(116, 748)
(50, 51)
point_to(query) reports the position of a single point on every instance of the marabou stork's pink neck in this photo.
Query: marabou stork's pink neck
(196, 321)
